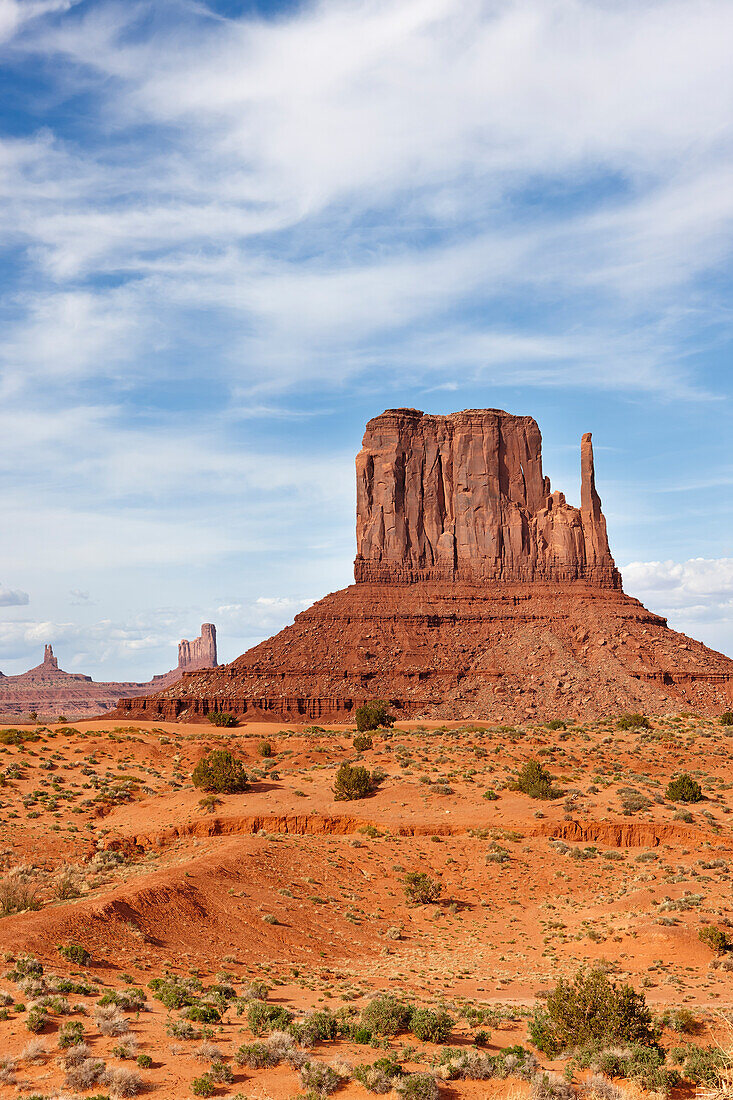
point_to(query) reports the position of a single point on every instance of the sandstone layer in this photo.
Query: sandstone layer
(49, 691)
(480, 593)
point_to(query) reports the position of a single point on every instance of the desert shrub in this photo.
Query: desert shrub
(431, 1027)
(556, 724)
(222, 718)
(373, 716)
(17, 895)
(680, 1020)
(144, 1061)
(643, 1064)
(352, 782)
(319, 1078)
(122, 1081)
(421, 888)
(380, 1076)
(263, 1017)
(131, 999)
(203, 1085)
(256, 1055)
(490, 795)
(317, 1027)
(265, 748)
(71, 1033)
(714, 938)
(417, 1086)
(175, 992)
(550, 1086)
(110, 1020)
(634, 721)
(202, 1014)
(701, 1065)
(535, 780)
(726, 719)
(75, 953)
(386, 1015)
(683, 788)
(591, 1008)
(221, 1073)
(37, 1019)
(84, 1073)
(362, 742)
(220, 772)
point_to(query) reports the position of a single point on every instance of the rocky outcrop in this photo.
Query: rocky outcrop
(49, 691)
(463, 497)
(201, 652)
(481, 594)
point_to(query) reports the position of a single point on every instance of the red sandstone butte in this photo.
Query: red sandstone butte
(480, 593)
(49, 691)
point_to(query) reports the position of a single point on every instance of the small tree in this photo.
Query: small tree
(222, 718)
(421, 888)
(362, 742)
(634, 721)
(352, 782)
(726, 719)
(714, 938)
(373, 716)
(220, 772)
(591, 1009)
(683, 788)
(535, 781)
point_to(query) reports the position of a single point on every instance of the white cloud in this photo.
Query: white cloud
(12, 597)
(696, 595)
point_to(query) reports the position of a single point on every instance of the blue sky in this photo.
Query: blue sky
(232, 232)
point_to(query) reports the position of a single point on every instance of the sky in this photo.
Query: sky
(232, 232)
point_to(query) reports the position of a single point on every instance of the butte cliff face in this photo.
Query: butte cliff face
(480, 594)
(201, 652)
(463, 497)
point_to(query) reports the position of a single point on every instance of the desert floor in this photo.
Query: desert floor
(102, 828)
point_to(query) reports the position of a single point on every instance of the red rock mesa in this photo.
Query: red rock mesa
(480, 593)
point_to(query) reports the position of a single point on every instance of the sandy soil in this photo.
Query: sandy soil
(285, 885)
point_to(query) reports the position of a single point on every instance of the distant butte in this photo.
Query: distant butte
(480, 593)
(49, 691)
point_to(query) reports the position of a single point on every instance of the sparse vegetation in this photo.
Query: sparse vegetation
(352, 782)
(421, 888)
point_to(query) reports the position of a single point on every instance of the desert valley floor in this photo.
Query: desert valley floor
(282, 893)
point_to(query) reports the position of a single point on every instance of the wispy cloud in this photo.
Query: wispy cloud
(13, 597)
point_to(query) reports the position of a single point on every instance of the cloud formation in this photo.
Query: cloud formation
(13, 597)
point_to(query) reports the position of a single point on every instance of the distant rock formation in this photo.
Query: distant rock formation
(480, 594)
(463, 497)
(49, 691)
(201, 652)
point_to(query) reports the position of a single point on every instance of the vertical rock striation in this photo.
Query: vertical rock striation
(463, 497)
(201, 652)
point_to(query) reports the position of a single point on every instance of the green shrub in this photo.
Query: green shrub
(256, 1055)
(431, 1027)
(680, 1020)
(362, 742)
(202, 1014)
(263, 1018)
(386, 1015)
(319, 1078)
(352, 782)
(203, 1085)
(420, 888)
(535, 780)
(373, 716)
(591, 1009)
(714, 938)
(36, 1020)
(71, 1033)
(417, 1086)
(223, 718)
(490, 795)
(683, 788)
(642, 1064)
(556, 724)
(221, 1073)
(144, 1061)
(634, 721)
(265, 748)
(75, 953)
(317, 1027)
(220, 772)
(726, 719)
(701, 1065)
(175, 992)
